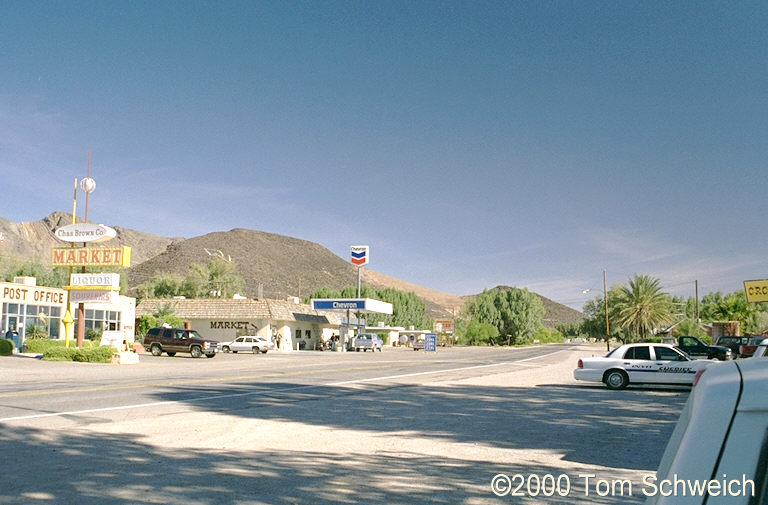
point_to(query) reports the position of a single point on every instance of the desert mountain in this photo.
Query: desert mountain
(275, 266)
(34, 239)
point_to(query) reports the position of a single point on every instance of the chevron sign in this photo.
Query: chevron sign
(359, 255)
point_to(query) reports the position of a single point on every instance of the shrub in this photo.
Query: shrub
(59, 353)
(41, 345)
(6, 347)
(87, 353)
(93, 334)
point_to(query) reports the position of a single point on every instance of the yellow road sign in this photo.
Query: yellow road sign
(757, 291)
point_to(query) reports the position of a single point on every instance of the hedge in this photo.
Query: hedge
(101, 354)
(6, 347)
(42, 345)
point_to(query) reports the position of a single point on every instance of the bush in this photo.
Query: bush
(59, 353)
(86, 354)
(6, 347)
(41, 345)
(93, 334)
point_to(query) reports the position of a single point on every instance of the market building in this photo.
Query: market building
(289, 324)
(26, 305)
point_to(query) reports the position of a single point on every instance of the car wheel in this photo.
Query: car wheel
(255, 350)
(225, 348)
(210, 355)
(196, 352)
(616, 379)
(264, 351)
(234, 352)
(156, 350)
(171, 353)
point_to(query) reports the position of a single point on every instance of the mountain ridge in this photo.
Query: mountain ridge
(273, 265)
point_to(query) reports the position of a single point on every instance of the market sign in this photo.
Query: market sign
(359, 254)
(757, 291)
(91, 257)
(85, 232)
(108, 280)
(93, 296)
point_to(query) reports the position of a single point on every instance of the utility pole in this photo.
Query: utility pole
(698, 319)
(605, 302)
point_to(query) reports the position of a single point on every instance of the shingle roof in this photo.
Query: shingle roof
(216, 308)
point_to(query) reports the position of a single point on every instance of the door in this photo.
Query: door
(637, 362)
(239, 345)
(672, 366)
(693, 348)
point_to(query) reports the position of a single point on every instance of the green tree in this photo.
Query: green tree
(162, 285)
(323, 292)
(643, 306)
(51, 277)
(516, 313)
(733, 307)
(163, 314)
(594, 310)
(474, 332)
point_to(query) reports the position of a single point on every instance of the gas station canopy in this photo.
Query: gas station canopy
(356, 304)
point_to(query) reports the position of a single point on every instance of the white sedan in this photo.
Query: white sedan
(253, 344)
(640, 364)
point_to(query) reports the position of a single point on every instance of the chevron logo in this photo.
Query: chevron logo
(359, 255)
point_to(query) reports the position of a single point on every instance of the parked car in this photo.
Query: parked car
(720, 438)
(748, 349)
(640, 364)
(366, 341)
(248, 343)
(762, 349)
(695, 348)
(172, 340)
(742, 346)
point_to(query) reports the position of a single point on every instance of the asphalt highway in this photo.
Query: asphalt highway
(459, 426)
(32, 390)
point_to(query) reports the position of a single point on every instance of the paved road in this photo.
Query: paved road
(33, 390)
(315, 428)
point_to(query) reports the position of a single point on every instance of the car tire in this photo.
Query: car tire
(255, 350)
(264, 351)
(234, 352)
(616, 379)
(210, 355)
(195, 351)
(225, 348)
(171, 354)
(156, 350)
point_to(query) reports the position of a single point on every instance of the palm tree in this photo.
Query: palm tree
(643, 306)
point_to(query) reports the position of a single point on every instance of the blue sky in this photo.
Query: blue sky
(469, 144)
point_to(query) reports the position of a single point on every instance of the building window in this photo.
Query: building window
(42, 316)
(101, 319)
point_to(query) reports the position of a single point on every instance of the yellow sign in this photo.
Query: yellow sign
(757, 291)
(91, 257)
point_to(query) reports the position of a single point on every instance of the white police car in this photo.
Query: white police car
(640, 364)
(718, 452)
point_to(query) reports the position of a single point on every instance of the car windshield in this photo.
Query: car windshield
(685, 354)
